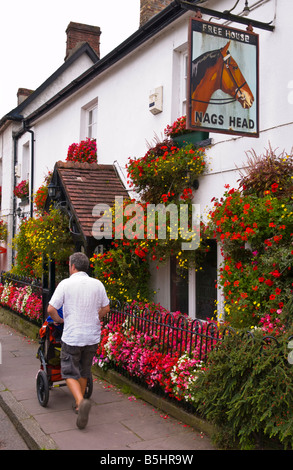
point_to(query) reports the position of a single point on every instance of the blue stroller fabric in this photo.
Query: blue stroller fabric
(60, 313)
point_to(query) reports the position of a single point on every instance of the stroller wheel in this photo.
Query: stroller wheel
(89, 388)
(42, 388)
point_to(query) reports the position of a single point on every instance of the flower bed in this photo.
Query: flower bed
(153, 348)
(22, 301)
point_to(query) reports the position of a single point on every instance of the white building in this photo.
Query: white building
(108, 98)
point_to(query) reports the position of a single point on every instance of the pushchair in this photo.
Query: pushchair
(49, 374)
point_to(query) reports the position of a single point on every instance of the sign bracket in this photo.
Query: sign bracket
(228, 16)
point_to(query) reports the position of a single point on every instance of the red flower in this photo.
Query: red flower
(274, 187)
(275, 273)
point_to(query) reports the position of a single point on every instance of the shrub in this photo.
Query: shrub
(247, 391)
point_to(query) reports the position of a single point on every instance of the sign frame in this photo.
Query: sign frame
(236, 113)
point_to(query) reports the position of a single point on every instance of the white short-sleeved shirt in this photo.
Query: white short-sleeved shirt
(81, 297)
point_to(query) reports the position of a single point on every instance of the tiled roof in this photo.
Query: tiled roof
(88, 184)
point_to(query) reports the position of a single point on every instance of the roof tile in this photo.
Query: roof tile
(85, 186)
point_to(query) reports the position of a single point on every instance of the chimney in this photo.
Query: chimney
(150, 8)
(78, 34)
(23, 94)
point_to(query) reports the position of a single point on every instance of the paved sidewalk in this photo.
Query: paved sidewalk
(118, 421)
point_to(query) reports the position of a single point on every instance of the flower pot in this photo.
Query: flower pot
(190, 138)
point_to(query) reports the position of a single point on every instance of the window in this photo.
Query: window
(206, 292)
(92, 122)
(25, 166)
(179, 288)
(184, 83)
(89, 120)
(195, 292)
(179, 81)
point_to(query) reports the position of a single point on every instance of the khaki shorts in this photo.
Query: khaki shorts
(76, 361)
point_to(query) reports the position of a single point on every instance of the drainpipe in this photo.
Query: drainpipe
(15, 159)
(15, 139)
(32, 168)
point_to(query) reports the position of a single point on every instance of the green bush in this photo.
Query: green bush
(247, 392)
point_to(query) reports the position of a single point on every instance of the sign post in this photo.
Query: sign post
(223, 93)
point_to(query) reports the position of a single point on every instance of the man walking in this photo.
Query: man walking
(85, 302)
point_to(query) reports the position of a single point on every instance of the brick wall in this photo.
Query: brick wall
(78, 33)
(149, 8)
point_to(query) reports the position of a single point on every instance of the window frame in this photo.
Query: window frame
(85, 125)
(92, 126)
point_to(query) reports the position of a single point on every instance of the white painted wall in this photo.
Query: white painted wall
(125, 124)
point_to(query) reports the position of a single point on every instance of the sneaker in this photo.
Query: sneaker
(83, 414)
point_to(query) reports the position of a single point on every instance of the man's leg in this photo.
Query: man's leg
(83, 406)
(76, 360)
(76, 390)
(83, 384)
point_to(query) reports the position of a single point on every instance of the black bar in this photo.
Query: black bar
(228, 16)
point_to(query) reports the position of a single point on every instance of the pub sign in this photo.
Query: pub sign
(222, 79)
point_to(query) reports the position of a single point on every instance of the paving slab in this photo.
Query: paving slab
(117, 421)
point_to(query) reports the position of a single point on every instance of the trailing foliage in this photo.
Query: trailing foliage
(163, 178)
(3, 231)
(254, 229)
(42, 193)
(124, 274)
(41, 239)
(164, 172)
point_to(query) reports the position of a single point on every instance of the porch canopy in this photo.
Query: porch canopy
(77, 188)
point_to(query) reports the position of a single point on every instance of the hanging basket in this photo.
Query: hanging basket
(24, 201)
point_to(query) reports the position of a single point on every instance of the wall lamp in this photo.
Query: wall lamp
(53, 191)
(19, 213)
(193, 182)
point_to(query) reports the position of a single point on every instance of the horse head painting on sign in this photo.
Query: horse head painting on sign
(217, 70)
